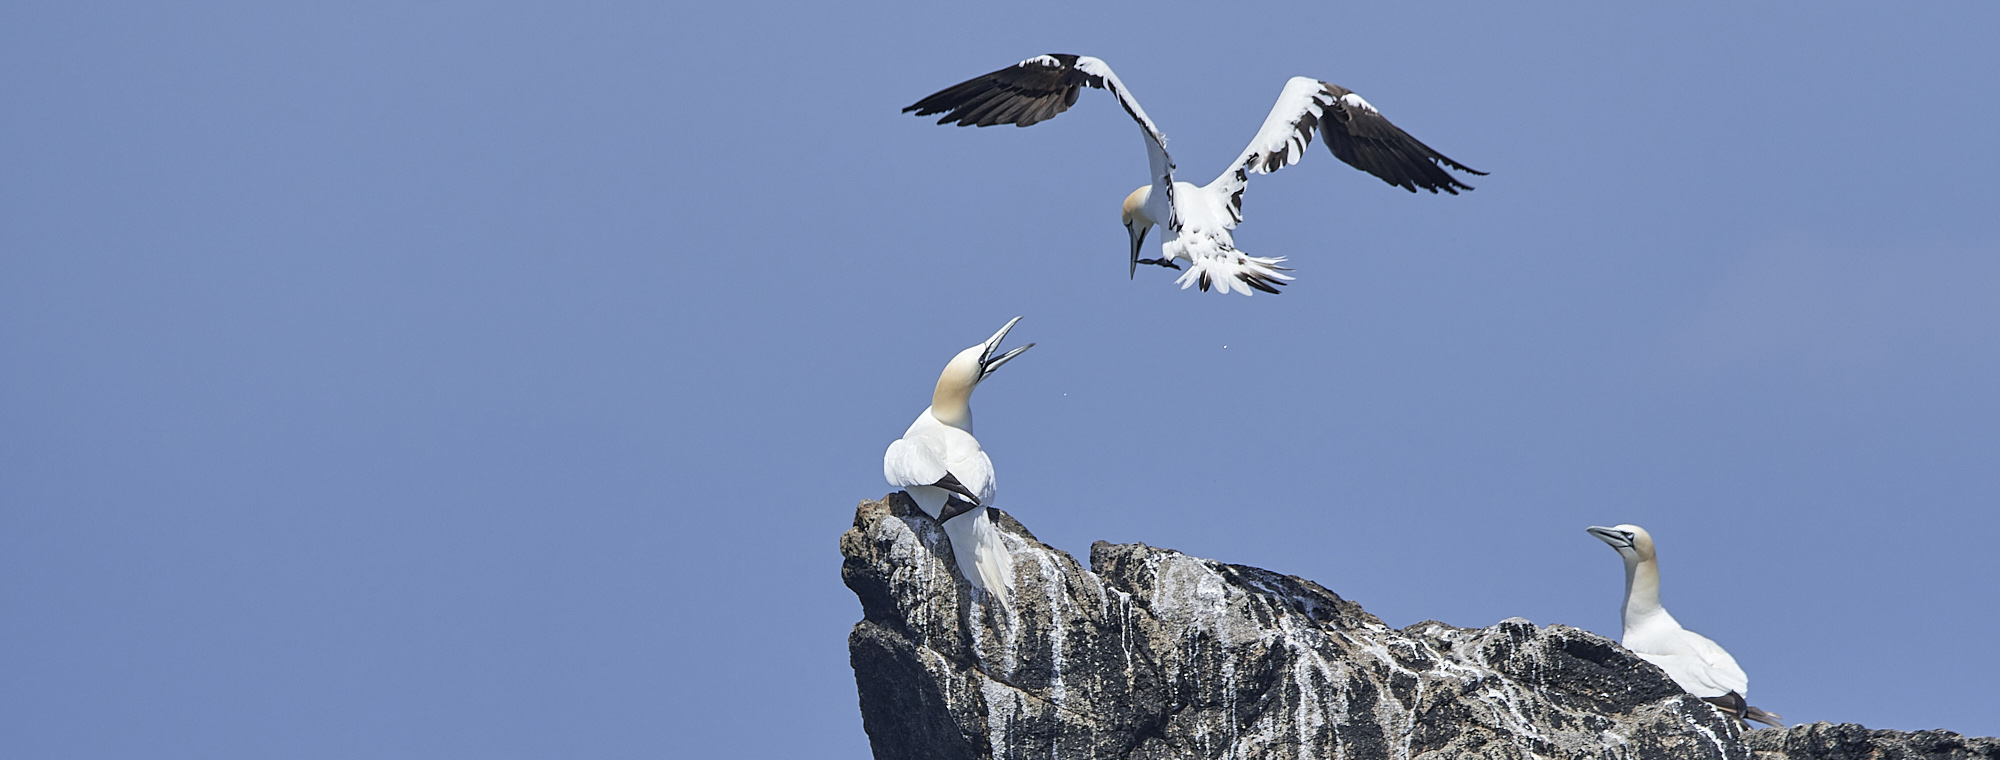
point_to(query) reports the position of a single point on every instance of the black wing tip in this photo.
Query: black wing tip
(953, 507)
(1376, 145)
(951, 483)
(1442, 162)
(1736, 707)
(1752, 712)
(1021, 94)
(1397, 175)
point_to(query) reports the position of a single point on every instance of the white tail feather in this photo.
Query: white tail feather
(1232, 270)
(981, 553)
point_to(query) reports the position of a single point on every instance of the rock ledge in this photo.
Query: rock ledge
(1155, 654)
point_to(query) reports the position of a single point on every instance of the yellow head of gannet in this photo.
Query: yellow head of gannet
(1632, 542)
(951, 401)
(1137, 223)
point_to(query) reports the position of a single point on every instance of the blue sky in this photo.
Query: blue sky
(458, 380)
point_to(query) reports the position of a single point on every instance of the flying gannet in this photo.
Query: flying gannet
(1699, 665)
(940, 464)
(1196, 220)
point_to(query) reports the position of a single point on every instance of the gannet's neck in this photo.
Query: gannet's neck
(959, 417)
(951, 402)
(1642, 592)
(1134, 211)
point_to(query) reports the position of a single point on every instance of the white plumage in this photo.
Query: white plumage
(940, 464)
(1699, 665)
(1196, 220)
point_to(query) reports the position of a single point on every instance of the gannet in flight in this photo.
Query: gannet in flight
(1699, 665)
(1196, 220)
(939, 463)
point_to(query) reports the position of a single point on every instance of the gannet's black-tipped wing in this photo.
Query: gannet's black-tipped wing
(1023, 94)
(1355, 132)
(953, 507)
(932, 454)
(1358, 135)
(950, 483)
(1037, 89)
(1731, 703)
(1744, 712)
(911, 463)
(1751, 712)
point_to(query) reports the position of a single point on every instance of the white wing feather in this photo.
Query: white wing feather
(1699, 665)
(1289, 128)
(908, 463)
(1281, 142)
(1161, 163)
(1722, 669)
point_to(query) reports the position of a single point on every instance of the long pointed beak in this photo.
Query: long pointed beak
(1615, 538)
(1138, 235)
(987, 361)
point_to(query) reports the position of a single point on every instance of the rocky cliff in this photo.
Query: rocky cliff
(1155, 654)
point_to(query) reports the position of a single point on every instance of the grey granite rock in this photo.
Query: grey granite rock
(1156, 654)
(1846, 741)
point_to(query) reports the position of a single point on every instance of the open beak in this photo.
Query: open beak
(1616, 538)
(1138, 235)
(987, 361)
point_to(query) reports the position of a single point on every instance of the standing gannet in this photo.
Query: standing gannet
(1699, 665)
(1197, 220)
(939, 463)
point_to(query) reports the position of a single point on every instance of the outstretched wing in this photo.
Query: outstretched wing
(1281, 142)
(1023, 94)
(1358, 135)
(1037, 89)
(1354, 131)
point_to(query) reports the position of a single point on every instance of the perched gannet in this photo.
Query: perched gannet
(1197, 219)
(939, 463)
(1700, 666)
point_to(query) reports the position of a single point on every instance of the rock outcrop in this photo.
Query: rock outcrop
(1156, 654)
(1846, 741)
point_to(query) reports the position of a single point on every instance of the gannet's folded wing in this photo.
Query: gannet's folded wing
(1722, 671)
(1037, 89)
(1360, 136)
(911, 463)
(975, 470)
